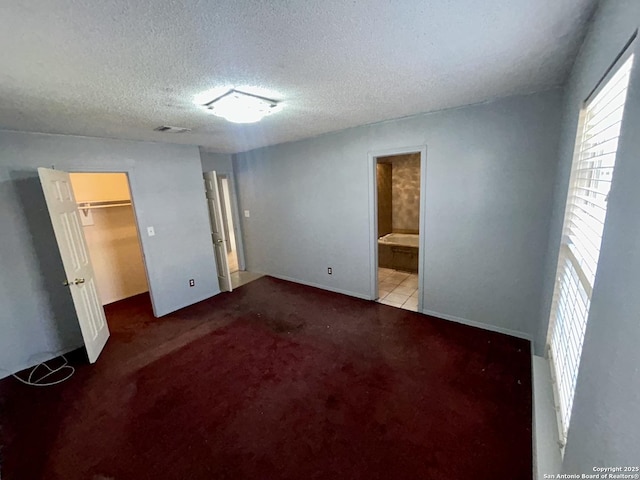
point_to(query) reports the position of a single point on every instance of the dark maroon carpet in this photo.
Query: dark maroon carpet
(279, 381)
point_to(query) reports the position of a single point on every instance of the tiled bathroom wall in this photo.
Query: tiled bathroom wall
(383, 174)
(405, 191)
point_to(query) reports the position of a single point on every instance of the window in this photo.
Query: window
(592, 171)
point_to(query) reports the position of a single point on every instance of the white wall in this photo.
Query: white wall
(100, 187)
(605, 423)
(490, 173)
(115, 253)
(37, 319)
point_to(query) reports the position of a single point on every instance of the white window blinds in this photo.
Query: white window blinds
(585, 213)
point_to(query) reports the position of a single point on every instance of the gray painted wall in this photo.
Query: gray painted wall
(220, 162)
(490, 174)
(37, 318)
(605, 423)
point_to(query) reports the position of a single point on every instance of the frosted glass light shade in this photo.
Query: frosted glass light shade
(240, 107)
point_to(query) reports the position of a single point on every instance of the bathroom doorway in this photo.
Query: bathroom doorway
(398, 224)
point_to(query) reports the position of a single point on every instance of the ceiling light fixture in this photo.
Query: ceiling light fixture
(241, 107)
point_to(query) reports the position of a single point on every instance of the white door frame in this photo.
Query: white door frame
(235, 213)
(218, 237)
(373, 217)
(130, 180)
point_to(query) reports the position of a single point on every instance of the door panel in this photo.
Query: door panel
(217, 230)
(63, 211)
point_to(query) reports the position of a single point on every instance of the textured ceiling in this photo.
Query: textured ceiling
(116, 68)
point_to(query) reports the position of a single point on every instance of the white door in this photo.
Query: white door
(65, 219)
(217, 230)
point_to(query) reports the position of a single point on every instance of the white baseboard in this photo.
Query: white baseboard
(484, 326)
(322, 287)
(471, 323)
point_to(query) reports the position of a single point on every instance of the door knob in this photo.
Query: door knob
(79, 281)
(66, 283)
(218, 241)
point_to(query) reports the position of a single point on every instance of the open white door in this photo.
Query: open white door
(217, 230)
(63, 211)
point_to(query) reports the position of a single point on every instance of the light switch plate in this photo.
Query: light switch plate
(151, 231)
(247, 214)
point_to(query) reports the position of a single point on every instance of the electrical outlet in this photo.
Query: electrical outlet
(192, 283)
(330, 271)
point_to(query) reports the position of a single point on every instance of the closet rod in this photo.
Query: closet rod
(113, 203)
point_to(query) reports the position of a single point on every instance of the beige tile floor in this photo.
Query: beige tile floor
(232, 258)
(398, 289)
(241, 277)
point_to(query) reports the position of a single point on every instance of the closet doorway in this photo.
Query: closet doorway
(111, 231)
